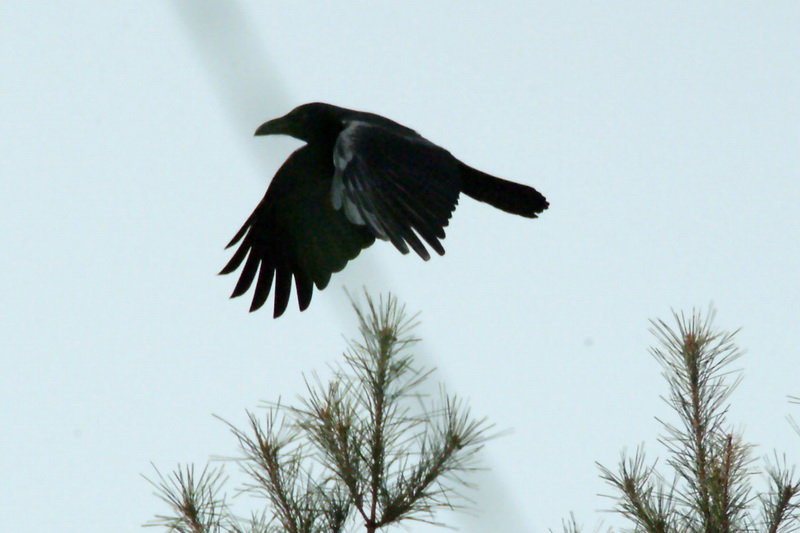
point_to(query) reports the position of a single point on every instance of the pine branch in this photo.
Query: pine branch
(781, 504)
(712, 463)
(195, 500)
(643, 498)
(352, 447)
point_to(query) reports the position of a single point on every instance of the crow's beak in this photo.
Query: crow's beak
(271, 127)
(275, 126)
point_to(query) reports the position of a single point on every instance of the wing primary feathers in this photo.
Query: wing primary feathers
(236, 260)
(401, 186)
(304, 288)
(266, 273)
(416, 244)
(239, 234)
(384, 219)
(421, 218)
(294, 232)
(430, 228)
(283, 289)
(402, 231)
(248, 274)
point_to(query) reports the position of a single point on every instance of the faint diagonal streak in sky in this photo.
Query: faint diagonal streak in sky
(238, 67)
(247, 86)
(240, 71)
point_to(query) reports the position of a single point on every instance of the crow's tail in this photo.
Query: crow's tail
(506, 195)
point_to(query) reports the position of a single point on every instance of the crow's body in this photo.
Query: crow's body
(358, 177)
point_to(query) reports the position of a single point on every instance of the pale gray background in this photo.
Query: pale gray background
(665, 136)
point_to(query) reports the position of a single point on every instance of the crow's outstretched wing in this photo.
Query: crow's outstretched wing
(295, 233)
(395, 183)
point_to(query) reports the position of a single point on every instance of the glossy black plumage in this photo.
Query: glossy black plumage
(359, 176)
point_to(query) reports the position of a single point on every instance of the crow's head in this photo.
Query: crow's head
(308, 122)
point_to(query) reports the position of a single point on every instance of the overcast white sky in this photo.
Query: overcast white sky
(665, 135)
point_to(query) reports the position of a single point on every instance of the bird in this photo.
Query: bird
(359, 176)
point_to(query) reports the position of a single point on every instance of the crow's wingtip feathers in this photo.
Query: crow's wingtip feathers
(227, 270)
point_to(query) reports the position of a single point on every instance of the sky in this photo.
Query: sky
(665, 136)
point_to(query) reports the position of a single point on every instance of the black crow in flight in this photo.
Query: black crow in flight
(359, 176)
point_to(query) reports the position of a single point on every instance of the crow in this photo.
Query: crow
(359, 176)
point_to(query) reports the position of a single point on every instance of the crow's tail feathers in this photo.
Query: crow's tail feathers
(506, 195)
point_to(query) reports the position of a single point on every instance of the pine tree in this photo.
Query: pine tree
(710, 488)
(353, 451)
